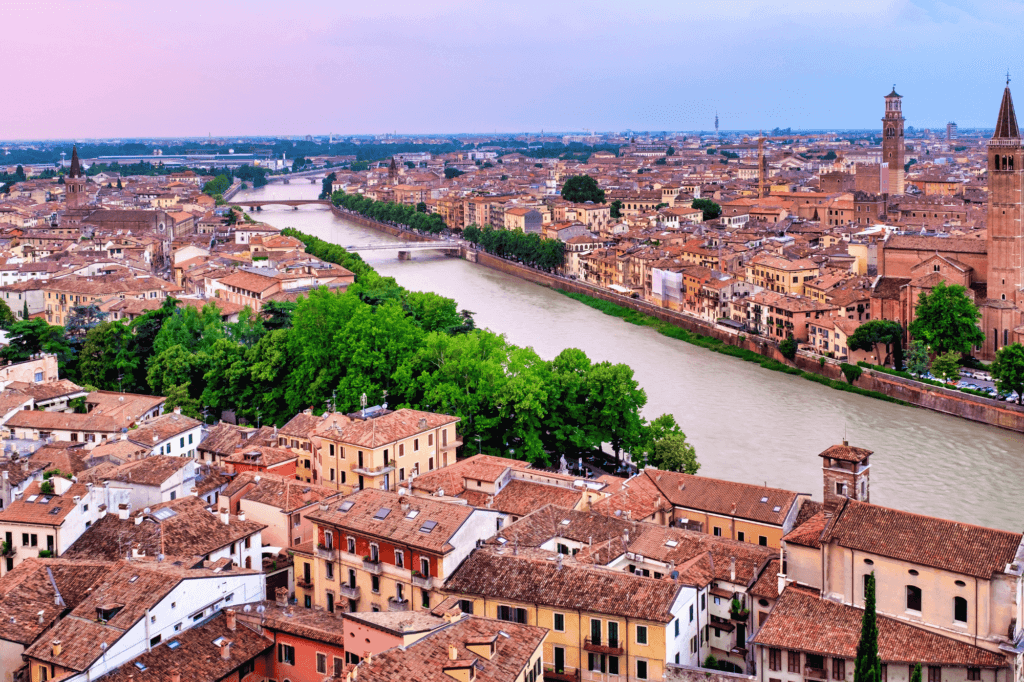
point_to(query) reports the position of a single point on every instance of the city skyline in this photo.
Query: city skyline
(269, 69)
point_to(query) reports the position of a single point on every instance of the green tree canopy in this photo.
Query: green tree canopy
(7, 317)
(710, 208)
(947, 320)
(947, 366)
(582, 188)
(918, 361)
(1008, 370)
(873, 335)
(868, 664)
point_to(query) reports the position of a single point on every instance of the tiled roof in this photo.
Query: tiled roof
(948, 545)
(576, 586)
(724, 497)
(68, 456)
(27, 590)
(937, 244)
(379, 431)
(160, 429)
(519, 498)
(808, 533)
(803, 621)
(549, 522)
(426, 659)
(400, 524)
(283, 492)
(399, 622)
(191, 531)
(846, 453)
(301, 425)
(196, 657)
(222, 438)
(767, 586)
(63, 421)
(151, 471)
(638, 498)
(44, 510)
(126, 407)
(451, 479)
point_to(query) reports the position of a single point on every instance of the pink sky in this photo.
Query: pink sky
(103, 68)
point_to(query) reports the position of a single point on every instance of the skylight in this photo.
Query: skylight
(346, 505)
(565, 522)
(173, 644)
(412, 514)
(671, 543)
(764, 499)
(427, 526)
(777, 509)
(164, 514)
(32, 498)
(55, 510)
(381, 514)
(140, 665)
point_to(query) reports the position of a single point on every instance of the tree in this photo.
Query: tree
(947, 320)
(119, 185)
(24, 310)
(19, 173)
(710, 208)
(868, 665)
(788, 348)
(421, 207)
(582, 188)
(670, 151)
(1008, 370)
(616, 209)
(947, 366)
(6, 316)
(107, 359)
(873, 333)
(674, 453)
(451, 173)
(28, 337)
(915, 675)
(917, 358)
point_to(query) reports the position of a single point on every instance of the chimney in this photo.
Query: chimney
(307, 495)
(224, 516)
(175, 675)
(41, 615)
(177, 410)
(733, 508)
(241, 515)
(732, 569)
(281, 594)
(225, 650)
(138, 519)
(453, 653)
(123, 511)
(56, 648)
(229, 615)
(194, 492)
(559, 567)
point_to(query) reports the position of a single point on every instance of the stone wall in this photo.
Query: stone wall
(952, 402)
(393, 230)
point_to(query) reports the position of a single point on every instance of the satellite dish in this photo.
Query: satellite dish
(261, 608)
(248, 608)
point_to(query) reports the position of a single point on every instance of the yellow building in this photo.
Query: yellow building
(781, 275)
(380, 448)
(604, 625)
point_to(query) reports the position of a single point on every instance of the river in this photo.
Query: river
(747, 423)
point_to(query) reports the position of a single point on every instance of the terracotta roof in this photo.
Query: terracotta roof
(519, 498)
(398, 623)
(378, 431)
(196, 657)
(43, 510)
(222, 438)
(767, 586)
(190, 531)
(282, 492)
(753, 502)
(451, 479)
(537, 528)
(801, 620)
(938, 244)
(846, 453)
(366, 515)
(68, 456)
(163, 427)
(536, 580)
(889, 287)
(427, 658)
(63, 421)
(639, 496)
(151, 471)
(301, 425)
(948, 545)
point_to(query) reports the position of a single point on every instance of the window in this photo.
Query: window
(693, 644)
(741, 536)
(974, 674)
(330, 570)
(425, 567)
(351, 545)
(793, 661)
(375, 584)
(762, 540)
(703, 601)
(913, 598)
(613, 665)
(511, 614)
(286, 654)
(399, 558)
(155, 640)
(838, 669)
(415, 444)
(466, 606)
(559, 622)
(934, 673)
(718, 532)
(677, 627)
(641, 670)
(321, 663)
(247, 668)
(641, 634)
(401, 474)
(774, 659)
(960, 609)
(424, 599)
(339, 666)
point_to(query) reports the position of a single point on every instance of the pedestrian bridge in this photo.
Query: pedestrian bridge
(406, 246)
(281, 202)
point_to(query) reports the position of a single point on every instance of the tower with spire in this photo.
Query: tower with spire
(393, 172)
(74, 183)
(716, 126)
(893, 142)
(1005, 234)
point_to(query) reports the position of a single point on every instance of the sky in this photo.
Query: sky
(106, 68)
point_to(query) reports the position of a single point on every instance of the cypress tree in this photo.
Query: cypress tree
(916, 675)
(868, 667)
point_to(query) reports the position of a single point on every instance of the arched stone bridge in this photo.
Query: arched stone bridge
(282, 202)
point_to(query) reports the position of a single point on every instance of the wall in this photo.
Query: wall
(956, 403)
(382, 227)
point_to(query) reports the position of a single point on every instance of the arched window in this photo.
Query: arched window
(913, 598)
(248, 562)
(959, 609)
(1011, 162)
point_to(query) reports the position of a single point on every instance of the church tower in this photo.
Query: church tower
(846, 472)
(393, 172)
(892, 140)
(1005, 235)
(74, 183)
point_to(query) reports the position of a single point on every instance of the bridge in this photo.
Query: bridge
(314, 176)
(405, 249)
(282, 202)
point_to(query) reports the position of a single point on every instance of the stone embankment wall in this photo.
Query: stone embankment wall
(393, 230)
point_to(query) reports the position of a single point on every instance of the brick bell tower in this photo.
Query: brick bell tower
(893, 142)
(1005, 235)
(74, 183)
(846, 472)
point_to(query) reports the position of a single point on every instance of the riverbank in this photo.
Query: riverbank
(755, 349)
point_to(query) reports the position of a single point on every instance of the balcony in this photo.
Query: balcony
(424, 582)
(374, 471)
(610, 646)
(373, 566)
(815, 673)
(349, 592)
(398, 604)
(456, 443)
(304, 584)
(566, 675)
(328, 553)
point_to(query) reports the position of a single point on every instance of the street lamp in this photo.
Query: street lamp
(478, 451)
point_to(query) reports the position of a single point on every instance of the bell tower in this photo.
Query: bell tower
(893, 143)
(74, 184)
(846, 472)
(1005, 235)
